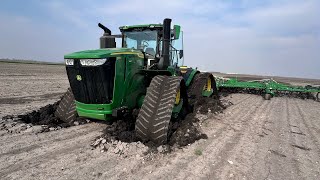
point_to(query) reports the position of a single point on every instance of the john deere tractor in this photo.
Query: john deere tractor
(144, 77)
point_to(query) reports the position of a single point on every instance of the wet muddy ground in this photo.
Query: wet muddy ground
(184, 132)
(250, 139)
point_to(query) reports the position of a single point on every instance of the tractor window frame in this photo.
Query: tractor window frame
(153, 41)
(175, 48)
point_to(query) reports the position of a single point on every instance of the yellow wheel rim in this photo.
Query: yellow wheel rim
(208, 86)
(178, 97)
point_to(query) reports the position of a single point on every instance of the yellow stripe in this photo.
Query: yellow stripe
(138, 54)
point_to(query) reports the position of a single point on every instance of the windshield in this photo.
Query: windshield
(145, 40)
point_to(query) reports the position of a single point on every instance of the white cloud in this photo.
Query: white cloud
(279, 37)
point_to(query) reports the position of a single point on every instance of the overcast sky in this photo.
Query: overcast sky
(269, 37)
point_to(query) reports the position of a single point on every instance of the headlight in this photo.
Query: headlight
(92, 62)
(69, 62)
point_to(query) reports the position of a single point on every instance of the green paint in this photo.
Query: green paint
(100, 53)
(177, 31)
(207, 93)
(94, 111)
(140, 100)
(191, 76)
(270, 86)
(172, 70)
(79, 78)
(177, 108)
(128, 86)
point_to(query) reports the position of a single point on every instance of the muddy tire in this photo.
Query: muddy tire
(318, 97)
(267, 96)
(153, 121)
(198, 83)
(66, 110)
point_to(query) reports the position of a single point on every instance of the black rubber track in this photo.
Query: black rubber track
(197, 84)
(153, 121)
(66, 110)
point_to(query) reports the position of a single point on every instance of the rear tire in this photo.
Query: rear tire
(66, 110)
(267, 96)
(153, 121)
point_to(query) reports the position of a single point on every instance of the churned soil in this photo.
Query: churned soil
(186, 131)
(250, 139)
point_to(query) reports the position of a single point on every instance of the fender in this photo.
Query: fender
(188, 74)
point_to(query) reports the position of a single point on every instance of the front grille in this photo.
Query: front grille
(94, 85)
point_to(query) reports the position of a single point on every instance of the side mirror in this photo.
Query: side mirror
(176, 31)
(180, 54)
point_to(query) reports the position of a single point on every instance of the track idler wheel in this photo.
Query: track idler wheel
(163, 95)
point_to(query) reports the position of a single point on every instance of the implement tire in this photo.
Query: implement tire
(267, 96)
(66, 110)
(153, 121)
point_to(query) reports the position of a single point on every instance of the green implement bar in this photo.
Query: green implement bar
(270, 86)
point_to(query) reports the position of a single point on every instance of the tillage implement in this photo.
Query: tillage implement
(269, 87)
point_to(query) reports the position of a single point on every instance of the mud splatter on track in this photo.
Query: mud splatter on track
(184, 132)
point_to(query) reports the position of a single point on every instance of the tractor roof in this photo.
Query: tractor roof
(140, 26)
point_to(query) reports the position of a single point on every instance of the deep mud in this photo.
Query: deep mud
(184, 132)
(252, 139)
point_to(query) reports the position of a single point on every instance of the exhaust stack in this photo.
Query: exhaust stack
(165, 59)
(106, 40)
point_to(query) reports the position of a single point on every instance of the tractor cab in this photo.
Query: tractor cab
(148, 38)
(145, 38)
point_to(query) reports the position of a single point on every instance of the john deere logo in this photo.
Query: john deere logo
(79, 78)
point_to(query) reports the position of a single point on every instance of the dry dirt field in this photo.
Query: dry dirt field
(251, 139)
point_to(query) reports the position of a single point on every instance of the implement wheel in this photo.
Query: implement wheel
(163, 95)
(66, 110)
(318, 96)
(267, 96)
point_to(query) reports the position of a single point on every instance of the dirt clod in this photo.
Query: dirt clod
(37, 121)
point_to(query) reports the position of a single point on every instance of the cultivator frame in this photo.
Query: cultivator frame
(269, 87)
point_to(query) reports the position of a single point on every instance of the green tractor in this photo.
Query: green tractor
(144, 78)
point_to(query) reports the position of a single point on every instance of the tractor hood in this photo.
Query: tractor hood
(102, 53)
